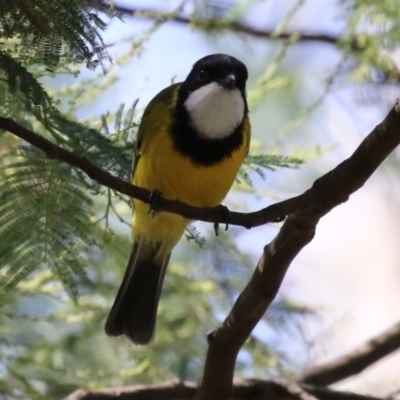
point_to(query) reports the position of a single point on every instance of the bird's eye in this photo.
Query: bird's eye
(202, 75)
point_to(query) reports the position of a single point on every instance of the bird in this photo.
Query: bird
(192, 139)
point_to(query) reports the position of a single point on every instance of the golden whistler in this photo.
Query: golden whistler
(191, 142)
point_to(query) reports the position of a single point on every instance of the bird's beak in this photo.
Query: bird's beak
(229, 82)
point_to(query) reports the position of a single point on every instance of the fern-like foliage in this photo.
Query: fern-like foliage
(49, 30)
(17, 81)
(124, 124)
(260, 162)
(52, 228)
(191, 233)
(45, 206)
(45, 212)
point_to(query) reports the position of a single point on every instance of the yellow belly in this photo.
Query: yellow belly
(178, 178)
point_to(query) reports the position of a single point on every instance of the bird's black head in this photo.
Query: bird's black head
(221, 68)
(213, 97)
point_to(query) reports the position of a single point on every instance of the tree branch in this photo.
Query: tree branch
(328, 191)
(235, 26)
(297, 231)
(225, 343)
(356, 361)
(252, 389)
(215, 214)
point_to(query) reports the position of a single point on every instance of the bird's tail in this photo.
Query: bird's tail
(134, 310)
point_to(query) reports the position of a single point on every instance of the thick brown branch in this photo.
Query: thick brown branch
(356, 361)
(243, 390)
(234, 27)
(225, 343)
(297, 231)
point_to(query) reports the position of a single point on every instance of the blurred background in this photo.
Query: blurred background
(313, 97)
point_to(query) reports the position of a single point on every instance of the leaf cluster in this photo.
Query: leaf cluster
(373, 32)
(44, 31)
(59, 197)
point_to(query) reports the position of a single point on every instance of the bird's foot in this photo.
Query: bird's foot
(155, 199)
(226, 217)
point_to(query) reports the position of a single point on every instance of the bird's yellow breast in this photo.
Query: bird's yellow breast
(161, 166)
(177, 177)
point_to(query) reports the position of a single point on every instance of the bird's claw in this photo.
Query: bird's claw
(155, 199)
(226, 216)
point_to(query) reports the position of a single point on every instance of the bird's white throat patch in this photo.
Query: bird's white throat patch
(214, 111)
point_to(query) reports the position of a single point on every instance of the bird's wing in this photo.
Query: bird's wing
(157, 113)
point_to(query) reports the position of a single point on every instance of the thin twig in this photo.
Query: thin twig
(104, 178)
(237, 27)
(354, 171)
(325, 190)
(356, 361)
